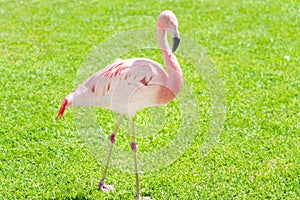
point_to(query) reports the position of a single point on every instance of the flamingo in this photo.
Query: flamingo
(127, 86)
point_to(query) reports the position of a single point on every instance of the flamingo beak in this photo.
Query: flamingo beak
(176, 41)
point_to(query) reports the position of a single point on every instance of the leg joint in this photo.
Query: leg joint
(134, 147)
(113, 138)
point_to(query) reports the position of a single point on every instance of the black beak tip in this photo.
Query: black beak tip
(176, 41)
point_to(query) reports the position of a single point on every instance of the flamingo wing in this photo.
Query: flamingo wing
(126, 74)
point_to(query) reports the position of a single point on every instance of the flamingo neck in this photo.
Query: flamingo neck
(174, 81)
(162, 40)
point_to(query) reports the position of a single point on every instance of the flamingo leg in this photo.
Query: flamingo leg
(102, 186)
(134, 151)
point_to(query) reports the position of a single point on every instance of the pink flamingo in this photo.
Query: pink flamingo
(127, 86)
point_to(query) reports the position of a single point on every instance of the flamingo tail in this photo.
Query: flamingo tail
(62, 109)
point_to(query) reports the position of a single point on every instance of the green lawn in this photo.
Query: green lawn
(255, 49)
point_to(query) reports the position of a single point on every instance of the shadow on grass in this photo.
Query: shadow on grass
(78, 197)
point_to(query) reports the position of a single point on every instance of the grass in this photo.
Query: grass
(44, 43)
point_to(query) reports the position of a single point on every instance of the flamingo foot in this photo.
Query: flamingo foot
(142, 198)
(105, 188)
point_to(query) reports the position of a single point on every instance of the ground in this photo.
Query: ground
(254, 46)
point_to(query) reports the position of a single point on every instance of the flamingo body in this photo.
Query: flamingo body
(127, 86)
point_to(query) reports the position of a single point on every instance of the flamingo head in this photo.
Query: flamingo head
(167, 20)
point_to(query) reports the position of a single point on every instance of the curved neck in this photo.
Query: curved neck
(174, 81)
(162, 39)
